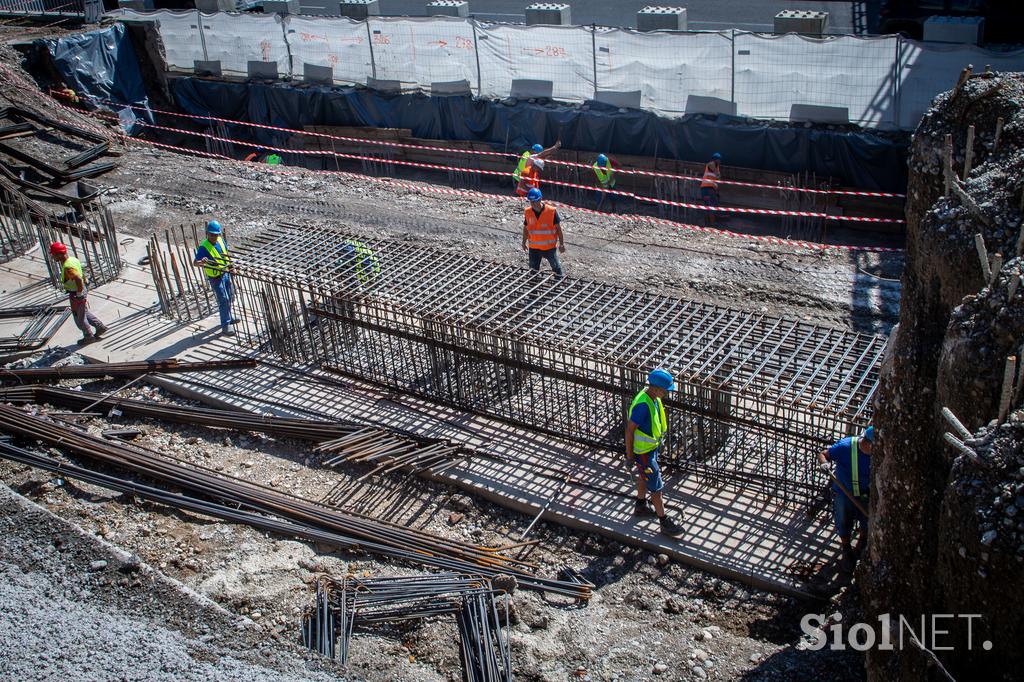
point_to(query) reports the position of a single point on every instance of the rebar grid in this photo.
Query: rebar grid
(758, 395)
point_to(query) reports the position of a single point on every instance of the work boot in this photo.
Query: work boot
(669, 527)
(85, 340)
(643, 508)
(100, 331)
(227, 331)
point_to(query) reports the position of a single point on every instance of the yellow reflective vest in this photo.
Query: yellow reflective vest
(647, 442)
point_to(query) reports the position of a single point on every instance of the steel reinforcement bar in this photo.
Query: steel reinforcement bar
(758, 395)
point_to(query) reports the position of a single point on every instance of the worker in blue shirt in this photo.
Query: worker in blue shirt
(646, 430)
(850, 481)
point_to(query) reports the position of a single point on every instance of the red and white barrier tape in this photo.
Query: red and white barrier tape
(449, 150)
(432, 189)
(628, 195)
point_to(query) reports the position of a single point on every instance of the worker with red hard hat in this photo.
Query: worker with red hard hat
(73, 281)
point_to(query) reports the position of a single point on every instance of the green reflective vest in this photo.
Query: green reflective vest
(219, 256)
(855, 466)
(74, 265)
(367, 264)
(605, 176)
(646, 442)
(522, 166)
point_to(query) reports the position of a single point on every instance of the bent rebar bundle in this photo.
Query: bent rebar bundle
(340, 606)
(223, 496)
(758, 395)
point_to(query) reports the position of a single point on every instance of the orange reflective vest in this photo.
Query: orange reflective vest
(541, 231)
(711, 177)
(528, 179)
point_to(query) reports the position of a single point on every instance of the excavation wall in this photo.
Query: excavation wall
(945, 531)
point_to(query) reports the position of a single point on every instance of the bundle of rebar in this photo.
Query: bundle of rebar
(340, 606)
(41, 323)
(274, 509)
(120, 369)
(346, 441)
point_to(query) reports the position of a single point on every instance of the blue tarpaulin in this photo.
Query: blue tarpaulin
(101, 67)
(861, 159)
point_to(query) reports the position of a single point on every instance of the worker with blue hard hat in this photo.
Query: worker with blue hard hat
(535, 152)
(646, 430)
(213, 257)
(604, 169)
(851, 481)
(542, 233)
(709, 185)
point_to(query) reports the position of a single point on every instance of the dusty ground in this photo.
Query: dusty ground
(645, 611)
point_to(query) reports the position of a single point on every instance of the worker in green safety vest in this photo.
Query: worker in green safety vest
(213, 257)
(73, 282)
(604, 170)
(646, 430)
(534, 152)
(358, 261)
(850, 486)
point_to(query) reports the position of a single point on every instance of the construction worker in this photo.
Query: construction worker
(850, 482)
(530, 177)
(359, 263)
(213, 257)
(646, 430)
(709, 184)
(534, 152)
(542, 232)
(604, 169)
(73, 281)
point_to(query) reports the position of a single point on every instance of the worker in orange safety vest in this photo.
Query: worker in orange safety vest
(542, 233)
(709, 184)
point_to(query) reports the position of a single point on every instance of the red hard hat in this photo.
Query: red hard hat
(58, 248)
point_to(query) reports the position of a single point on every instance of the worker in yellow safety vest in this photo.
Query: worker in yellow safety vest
(850, 484)
(73, 282)
(534, 152)
(646, 430)
(213, 257)
(709, 185)
(604, 170)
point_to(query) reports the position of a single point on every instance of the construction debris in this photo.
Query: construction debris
(269, 509)
(341, 606)
(120, 369)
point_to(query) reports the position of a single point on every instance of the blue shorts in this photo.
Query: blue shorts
(647, 466)
(846, 513)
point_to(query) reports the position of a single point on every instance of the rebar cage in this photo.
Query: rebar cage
(757, 395)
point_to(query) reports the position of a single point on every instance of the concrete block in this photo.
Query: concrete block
(698, 104)
(323, 75)
(618, 98)
(448, 8)
(387, 86)
(451, 88)
(525, 88)
(138, 5)
(262, 70)
(280, 6)
(661, 19)
(358, 9)
(814, 113)
(93, 11)
(212, 6)
(204, 68)
(954, 29)
(324, 8)
(801, 21)
(548, 13)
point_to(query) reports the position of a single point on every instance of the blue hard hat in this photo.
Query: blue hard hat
(662, 379)
(602, 160)
(213, 227)
(534, 195)
(536, 149)
(716, 156)
(869, 434)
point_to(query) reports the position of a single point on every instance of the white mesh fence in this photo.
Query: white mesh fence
(883, 82)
